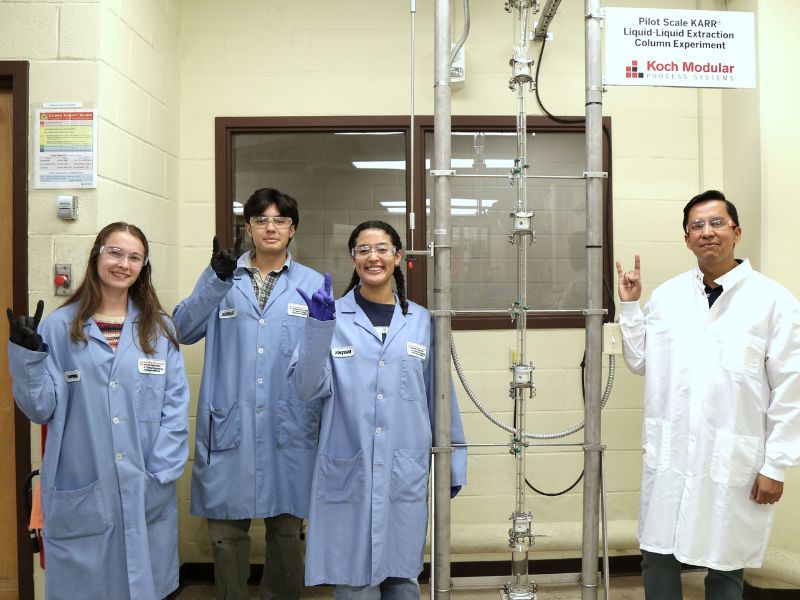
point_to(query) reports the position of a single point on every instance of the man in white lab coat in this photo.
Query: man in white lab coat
(719, 347)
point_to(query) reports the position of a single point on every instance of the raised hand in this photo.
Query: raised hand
(630, 282)
(224, 261)
(321, 306)
(23, 329)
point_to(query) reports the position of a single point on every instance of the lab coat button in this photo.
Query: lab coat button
(260, 380)
(381, 363)
(112, 385)
(261, 351)
(261, 321)
(379, 430)
(115, 420)
(119, 456)
(380, 396)
(259, 410)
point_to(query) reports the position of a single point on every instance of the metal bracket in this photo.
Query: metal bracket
(594, 311)
(601, 14)
(442, 450)
(442, 313)
(442, 172)
(601, 174)
(594, 448)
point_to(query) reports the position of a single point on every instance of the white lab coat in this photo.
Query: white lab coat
(722, 403)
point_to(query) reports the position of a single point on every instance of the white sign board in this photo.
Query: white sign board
(679, 48)
(65, 154)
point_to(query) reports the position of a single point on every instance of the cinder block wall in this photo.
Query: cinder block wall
(159, 71)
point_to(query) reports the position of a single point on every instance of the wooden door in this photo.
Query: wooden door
(9, 585)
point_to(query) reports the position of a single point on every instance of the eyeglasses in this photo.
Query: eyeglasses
(262, 221)
(119, 255)
(382, 250)
(716, 223)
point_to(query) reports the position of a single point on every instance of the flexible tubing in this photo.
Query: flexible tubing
(464, 33)
(509, 428)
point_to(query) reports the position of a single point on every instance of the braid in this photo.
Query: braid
(400, 280)
(354, 281)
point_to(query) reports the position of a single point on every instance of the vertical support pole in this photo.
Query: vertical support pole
(594, 287)
(442, 296)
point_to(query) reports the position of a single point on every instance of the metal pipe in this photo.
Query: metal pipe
(433, 526)
(411, 215)
(604, 518)
(505, 176)
(527, 311)
(594, 316)
(442, 295)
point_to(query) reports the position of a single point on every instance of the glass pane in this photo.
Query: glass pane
(338, 179)
(484, 263)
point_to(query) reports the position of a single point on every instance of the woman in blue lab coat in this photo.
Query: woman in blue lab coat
(104, 372)
(369, 358)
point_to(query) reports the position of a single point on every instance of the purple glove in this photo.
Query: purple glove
(454, 491)
(321, 306)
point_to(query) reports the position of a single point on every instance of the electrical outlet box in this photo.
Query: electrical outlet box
(612, 338)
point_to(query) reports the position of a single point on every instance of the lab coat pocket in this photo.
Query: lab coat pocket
(744, 355)
(297, 423)
(657, 443)
(409, 476)
(149, 396)
(290, 334)
(734, 460)
(225, 428)
(412, 380)
(341, 480)
(71, 514)
(159, 500)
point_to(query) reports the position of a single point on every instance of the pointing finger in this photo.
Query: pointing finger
(10, 314)
(237, 246)
(37, 317)
(636, 263)
(327, 285)
(215, 245)
(619, 270)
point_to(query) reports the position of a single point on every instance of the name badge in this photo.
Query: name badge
(416, 350)
(72, 376)
(228, 313)
(343, 352)
(297, 310)
(148, 366)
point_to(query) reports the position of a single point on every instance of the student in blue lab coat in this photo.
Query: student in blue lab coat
(104, 372)
(369, 358)
(255, 442)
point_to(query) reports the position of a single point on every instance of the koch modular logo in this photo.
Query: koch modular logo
(632, 71)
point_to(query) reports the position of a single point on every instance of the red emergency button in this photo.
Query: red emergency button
(61, 281)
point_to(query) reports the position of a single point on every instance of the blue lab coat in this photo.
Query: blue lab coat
(369, 506)
(262, 438)
(117, 439)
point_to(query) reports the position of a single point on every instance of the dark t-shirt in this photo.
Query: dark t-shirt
(380, 315)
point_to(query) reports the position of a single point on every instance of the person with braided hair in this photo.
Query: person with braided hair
(368, 357)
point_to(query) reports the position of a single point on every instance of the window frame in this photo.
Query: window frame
(225, 128)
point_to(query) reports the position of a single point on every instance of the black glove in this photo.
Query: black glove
(224, 261)
(23, 329)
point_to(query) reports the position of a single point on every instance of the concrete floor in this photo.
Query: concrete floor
(622, 588)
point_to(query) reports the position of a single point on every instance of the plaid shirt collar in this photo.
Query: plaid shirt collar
(263, 286)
